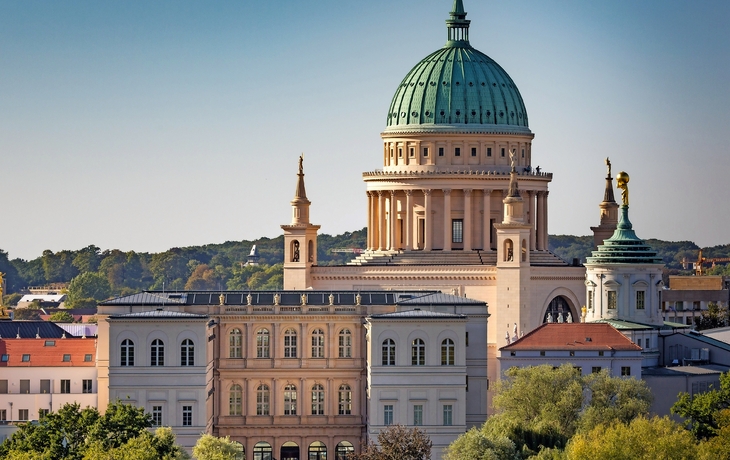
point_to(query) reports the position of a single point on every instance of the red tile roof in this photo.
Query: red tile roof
(573, 336)
(47, 356)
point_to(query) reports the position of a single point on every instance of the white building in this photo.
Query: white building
(157, 360)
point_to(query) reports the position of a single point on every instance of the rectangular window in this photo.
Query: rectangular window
(87, 358)
(3, 415)
(625, 370)
(425, 151)
(457, 152)
(412, 152)
(3, 387)
(388, 414)
(457, 231)
(448, 414)
(640, 300)
(65, 386)
(596, 369)
(86, 386)
(466, 339)
(466, 382)
(42, 413)
(473, 151)
(25, 386)
(23, 415)
(489, 151)
(26, 358)
(590, 300)
(45, 386)
(502, 151)
(679, 305)
(66, 358)
(418, 415)
(400, 153)
(611, 300)
(523, 153)
(50, 343)
(5, 357)
(441, 151)
(156, 415)
(600, 353)
(187, 414)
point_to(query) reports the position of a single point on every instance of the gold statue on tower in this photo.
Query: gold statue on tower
(622, 182)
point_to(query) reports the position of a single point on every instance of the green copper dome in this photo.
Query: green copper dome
(624, 247)
(458, 85)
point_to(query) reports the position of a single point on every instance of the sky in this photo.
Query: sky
(150, 125)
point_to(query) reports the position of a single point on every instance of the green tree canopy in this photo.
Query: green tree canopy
(702, 411)
(86, 286)
(399, 442)
(61, 317)
(210, 447)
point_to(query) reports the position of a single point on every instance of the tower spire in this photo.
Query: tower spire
(300, 203)
(457, 26)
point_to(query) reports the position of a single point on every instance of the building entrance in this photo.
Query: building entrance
(289, 451)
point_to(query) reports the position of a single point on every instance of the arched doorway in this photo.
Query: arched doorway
(559, 307)
(344, 450)
(262, 451)
(240, 451)
(289, 451)
(317, 451)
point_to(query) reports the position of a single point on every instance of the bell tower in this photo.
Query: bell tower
(300, 239)
(513, 260)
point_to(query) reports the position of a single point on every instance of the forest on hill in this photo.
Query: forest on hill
(94, 274)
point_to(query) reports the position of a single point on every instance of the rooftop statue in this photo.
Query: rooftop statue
(622, 182)
(301, 164)
(512, 156)
(608, 165)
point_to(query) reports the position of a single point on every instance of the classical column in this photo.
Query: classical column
(467, 219)
(393, 221)
(533, 233)
(447, 219)
(428, 231)
(370, 221)
(409, 219)
(486, 227)
(381, 218)
(540, 220)
(545, 222)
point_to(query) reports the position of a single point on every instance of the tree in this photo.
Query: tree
(61, 317)
(91, 285)
(210, 447)
(87, 259)
(701, 411)
(397, 442)
(147, 446)
(642, 439)
(477, 444)
(202, 278)
(714, 316)
(31, 312)
(80, 428)
(614, 399)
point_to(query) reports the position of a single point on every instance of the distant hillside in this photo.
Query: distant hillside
(222, 265)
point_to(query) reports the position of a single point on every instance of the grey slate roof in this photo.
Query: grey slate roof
(149, 298)
(418, 314)
(29, 329)
(683, 371)
(439, 298)
(165, 314)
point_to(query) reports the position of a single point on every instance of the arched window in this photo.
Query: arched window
(290, 343)
(127, 353)
(418, 353)
(310, 251)
(317, 451)
(318, 400)
(262, 343)
(344, 400)
(345, 344)
(290, 400)
(157, 353)
(187, 353)
(240, 451)
(262, 451)
(318, 343)
(234, 343)
(447, 352)
(388, 352)
(508, 251)
(344, 450)
(262, 400)
(235, 398)
(295, 251)
(524, 250)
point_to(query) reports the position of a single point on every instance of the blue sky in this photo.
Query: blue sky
(148, 125)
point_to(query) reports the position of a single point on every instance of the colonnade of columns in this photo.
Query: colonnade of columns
(404, 219)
